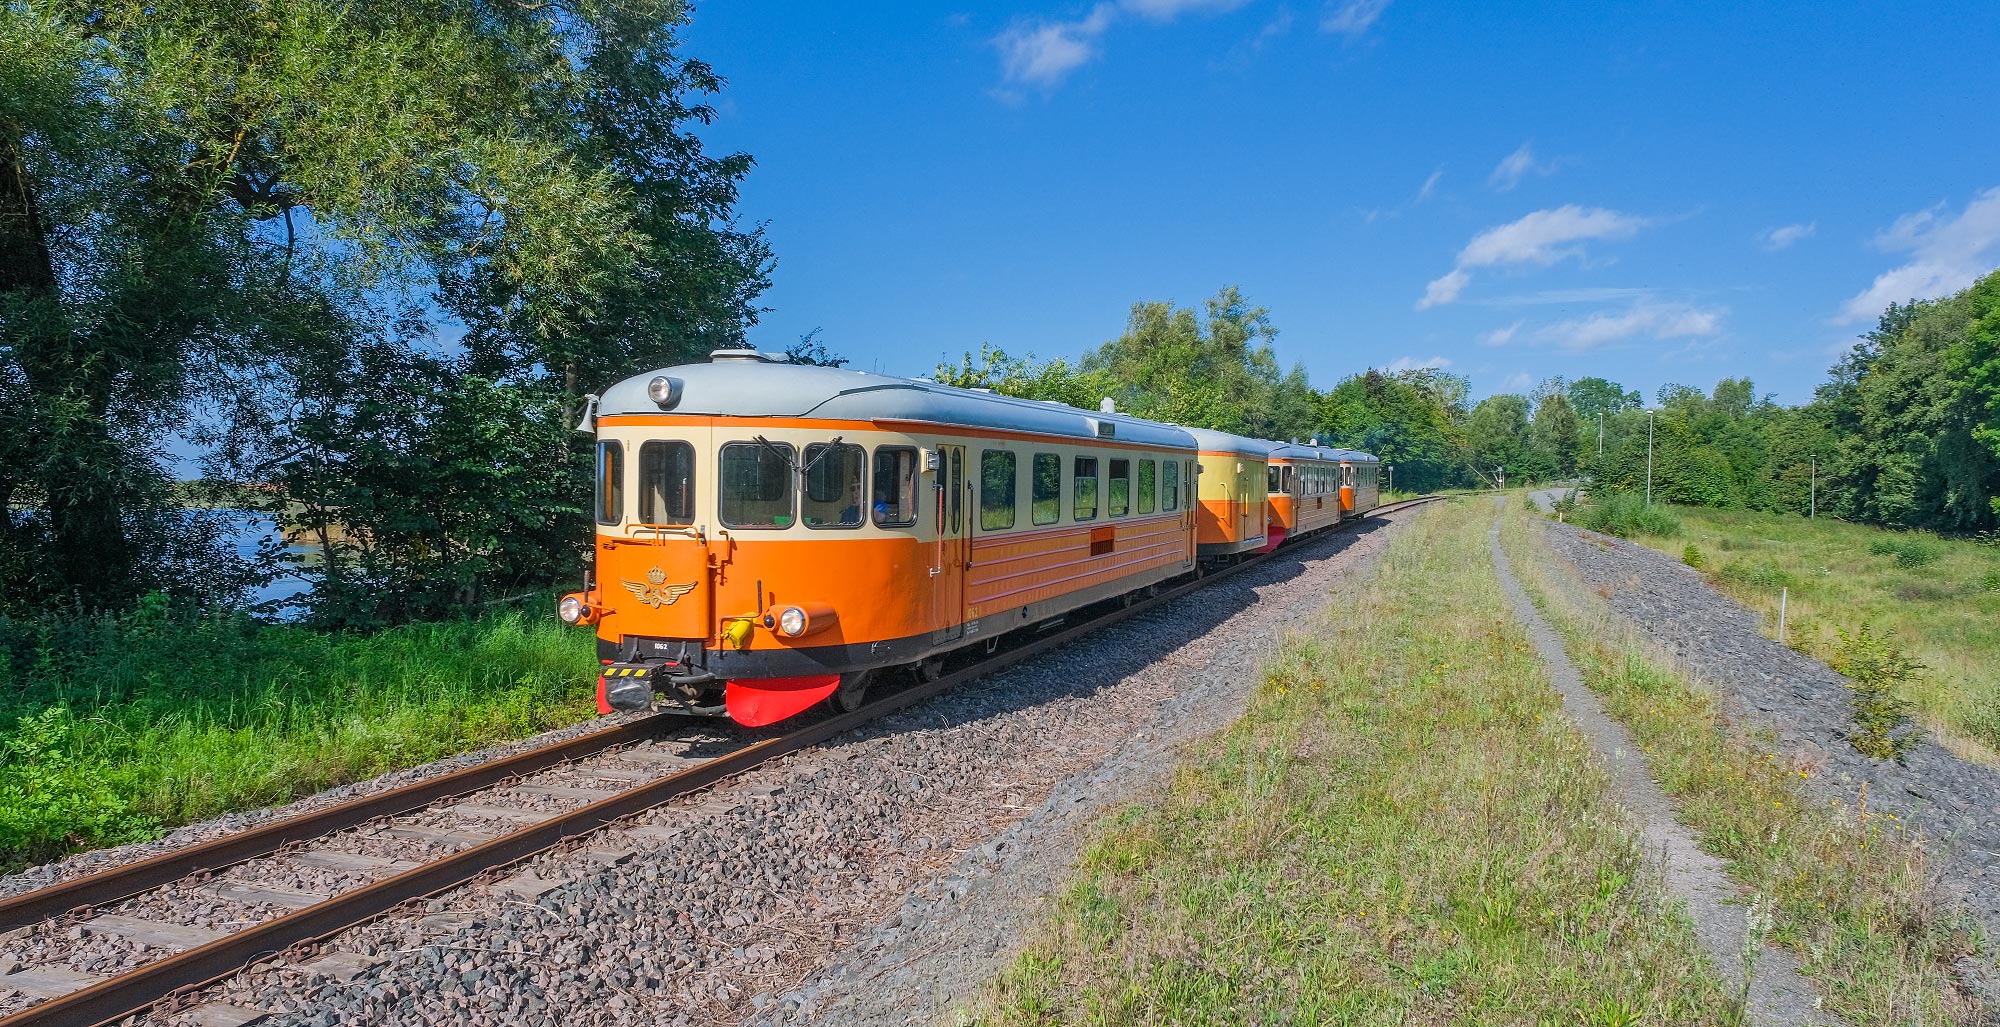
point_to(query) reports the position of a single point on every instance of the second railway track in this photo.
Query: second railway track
(162, 959)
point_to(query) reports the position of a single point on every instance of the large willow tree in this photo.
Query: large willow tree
(239, 209)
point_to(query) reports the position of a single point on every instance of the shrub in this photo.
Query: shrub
(1909, 550)
(1692, 556)
(54, 796)
(1877, 668)
(1763, 573)
(1626, 514)
(1991, 582)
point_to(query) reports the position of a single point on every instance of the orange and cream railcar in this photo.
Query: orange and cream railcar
(770, 534)
(1231, 519)
(1361, 482)
(1303, 481)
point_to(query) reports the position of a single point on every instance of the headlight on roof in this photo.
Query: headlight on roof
(665, 392)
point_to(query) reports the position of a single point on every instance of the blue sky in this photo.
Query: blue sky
(1650, 192)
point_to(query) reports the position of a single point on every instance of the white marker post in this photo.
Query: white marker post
(1783, 595)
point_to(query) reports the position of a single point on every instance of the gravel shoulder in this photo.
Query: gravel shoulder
(1952, 803)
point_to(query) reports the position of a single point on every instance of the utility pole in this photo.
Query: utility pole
(1812, 493)
(1600, 433)
(1649, 456)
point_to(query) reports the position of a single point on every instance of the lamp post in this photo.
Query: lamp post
(1600, 433)
(1649, 456)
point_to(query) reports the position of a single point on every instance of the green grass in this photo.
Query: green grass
(1848, 887)
(113, 729)
(1401, 828)
(1938, 598)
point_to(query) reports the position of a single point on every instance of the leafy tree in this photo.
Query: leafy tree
(1590, 397)
(1414, 420)
(1557, 433)
(192, 194)
(1498, 437)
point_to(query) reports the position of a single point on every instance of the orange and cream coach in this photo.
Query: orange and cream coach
(771, 534)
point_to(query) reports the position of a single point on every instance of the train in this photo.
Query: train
(773, 535)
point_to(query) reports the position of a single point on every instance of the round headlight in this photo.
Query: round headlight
(792, 621)
(571, 610)
(664, 391)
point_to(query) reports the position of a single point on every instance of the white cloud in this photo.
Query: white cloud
(1516, 382)
(1656, 320)
(1043, 53)
(1545, 236)
(1542, 237)
(1401, 364)
(1443, 290)
(1168, 10)
(1430, 184)
(1516, 166)
(1352, 18)
(1500, 336)
(1946, 254)
(1778, 238)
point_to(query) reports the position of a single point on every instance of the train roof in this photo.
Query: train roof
(1308, 451)
(746, 383)
(1223, 442)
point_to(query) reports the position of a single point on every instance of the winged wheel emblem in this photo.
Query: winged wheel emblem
(654, 592)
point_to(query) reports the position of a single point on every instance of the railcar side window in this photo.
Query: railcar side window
(757, 485)
(996, 489)
(833, 485)
(1047, 507)
(1271, 474)
(1170, 485)
(895, 498)
(1119, 496)
(666, 482)
(1146, 486)
(610, 481)
(957, 502)
(1086, 488)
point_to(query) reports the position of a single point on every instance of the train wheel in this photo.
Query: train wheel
(929, 669)
(853, 691)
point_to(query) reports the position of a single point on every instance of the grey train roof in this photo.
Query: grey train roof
(1303, 451)
(744, 383)
(1223, 442)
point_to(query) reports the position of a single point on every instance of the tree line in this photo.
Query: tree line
(1905, 433)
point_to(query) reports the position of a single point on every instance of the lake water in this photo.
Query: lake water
(249, 531)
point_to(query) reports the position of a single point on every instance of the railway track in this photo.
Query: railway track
(456, 813)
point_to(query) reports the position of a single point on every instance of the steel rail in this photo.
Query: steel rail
(121, 882)
(145, 986)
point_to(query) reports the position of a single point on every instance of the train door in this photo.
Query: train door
(1245, 531)
(954, 542)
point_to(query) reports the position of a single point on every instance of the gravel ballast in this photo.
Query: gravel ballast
(878, 877)
(1953, 803)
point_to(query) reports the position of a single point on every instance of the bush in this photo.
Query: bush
(1758, 574)
(54, 794)
(1991, 582)
(1692, 556)
(1626, 515)
(1909, 550)
(1877, 668)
